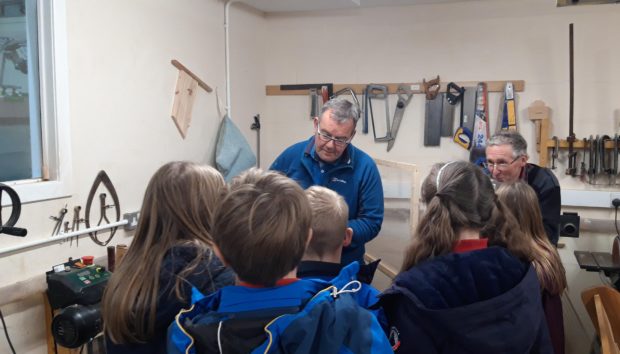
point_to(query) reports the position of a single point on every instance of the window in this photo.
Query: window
(34, 121)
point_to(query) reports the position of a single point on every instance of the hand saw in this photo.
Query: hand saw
(379, 92)
(481, 126)
(432, 114)
(452, 96)
(509, 114)
(464, 135)
(404, 97)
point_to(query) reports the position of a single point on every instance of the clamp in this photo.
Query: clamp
(102, 178)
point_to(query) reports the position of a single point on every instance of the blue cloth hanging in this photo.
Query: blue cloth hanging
(233, 154)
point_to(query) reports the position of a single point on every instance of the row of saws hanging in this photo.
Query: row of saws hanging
(473, 127)
(440, 107)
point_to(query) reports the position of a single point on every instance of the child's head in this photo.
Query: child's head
(330, 214)
(177, 210)
(262, 226)
(522, 201)
(459, 197)
(178, 205)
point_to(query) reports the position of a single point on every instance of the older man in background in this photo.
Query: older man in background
(506, 160)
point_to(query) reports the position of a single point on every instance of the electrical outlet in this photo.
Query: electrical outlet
(614, 197)
(132, 220)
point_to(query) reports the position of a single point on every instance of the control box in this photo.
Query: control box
(75, 283)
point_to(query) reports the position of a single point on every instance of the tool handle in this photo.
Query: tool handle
(13, 231)
(463, 137)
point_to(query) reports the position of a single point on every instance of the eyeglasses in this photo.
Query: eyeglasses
(501, 166)
(340, 142)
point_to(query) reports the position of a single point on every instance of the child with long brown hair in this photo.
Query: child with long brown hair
(170, 254)
(523, 203)
(466, 284)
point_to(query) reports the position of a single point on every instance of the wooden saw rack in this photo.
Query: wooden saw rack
(415, 87)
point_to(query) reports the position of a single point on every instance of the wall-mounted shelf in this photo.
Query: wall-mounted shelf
(415, 87)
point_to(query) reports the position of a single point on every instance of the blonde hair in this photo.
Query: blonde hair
(177, 209)
(523, 204)
(330, 214)
(461, 197)
(262, 225)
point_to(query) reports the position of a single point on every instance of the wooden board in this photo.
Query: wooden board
(578, 144)
(184, 96)
(415, 87)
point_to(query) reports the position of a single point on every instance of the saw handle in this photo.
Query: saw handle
(454, 93)
(463, 137)
(431, 88)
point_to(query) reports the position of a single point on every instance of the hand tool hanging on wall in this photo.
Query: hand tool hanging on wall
(16, 208)
(315, 105)
(324, 90)
(605, 157)
(597, 163)
(481, 125)
(75, 224)
(509, 111)
(102, 178)
(554, 152)
(348, 90)
(256, 126)
(59, 219)
(378, 92)
(592, 160)
(404, 97)
(432, 114)
(572, 154)
(452, 96)
(615, 158)
(464, 135)
(583, 170)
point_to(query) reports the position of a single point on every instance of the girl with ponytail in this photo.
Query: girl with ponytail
(466, 284)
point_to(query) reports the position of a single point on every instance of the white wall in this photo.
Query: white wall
(469, 41)
(122, 85)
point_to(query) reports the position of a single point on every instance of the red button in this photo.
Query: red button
(88, 260)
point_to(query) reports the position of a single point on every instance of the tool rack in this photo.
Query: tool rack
(415, 87)
(539, 114)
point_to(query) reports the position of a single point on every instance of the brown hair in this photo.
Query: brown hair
(458, 195)
(177, 209)
(523, 203)
(330, 214)
(261, 227)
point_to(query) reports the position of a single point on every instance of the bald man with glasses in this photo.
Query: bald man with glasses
(506, 161)
(329, 159)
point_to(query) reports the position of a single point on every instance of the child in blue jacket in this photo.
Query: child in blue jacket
(262, 228)
(329, 235)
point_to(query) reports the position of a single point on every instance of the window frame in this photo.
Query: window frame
(54, 107)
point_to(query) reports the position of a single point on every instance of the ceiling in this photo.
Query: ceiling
(313, 5)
